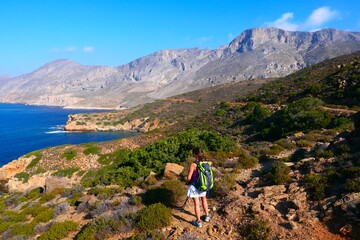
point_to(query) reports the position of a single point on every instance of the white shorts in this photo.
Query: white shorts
(193, 192)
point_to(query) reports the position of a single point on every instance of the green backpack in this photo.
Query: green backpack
(205, 181)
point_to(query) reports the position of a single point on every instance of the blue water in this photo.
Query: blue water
(24, 129)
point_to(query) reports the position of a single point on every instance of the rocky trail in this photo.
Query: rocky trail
(284, 208)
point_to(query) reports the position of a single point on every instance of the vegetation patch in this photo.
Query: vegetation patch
(155, 216)
(91, 148)
(59, 230)
(279, 173)
(169, 193)
(69, 154)
(35, 161)
(66, 172)
(23, 176)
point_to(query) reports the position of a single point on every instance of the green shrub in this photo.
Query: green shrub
(91, 149)
(26, 229)
(59, 230)
(127, 169)
(44, 216)
(102, 227)
(39, 170)
(46, 197)
(35, 210)
(302, 115)
(341, 123)
(224, 184)
(246, 161)
(273, 150)
(256, 230)
(74, 198)
(5, 226)
(65, 172)
(23, 176)
(12, 216)
(316, 184)
(279, 173)
(169, 193)
(35, 161)
(34, 193)
(155, 216)
(154, 234)
(304, 143)
(353, 185)
(103, 192)
(69, 154)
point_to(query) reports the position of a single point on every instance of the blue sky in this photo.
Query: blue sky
(115, 32)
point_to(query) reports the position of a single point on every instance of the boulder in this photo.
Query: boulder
(172, 170)
(12, 168)
(55, 182)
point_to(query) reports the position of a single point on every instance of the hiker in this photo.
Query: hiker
(193, 192)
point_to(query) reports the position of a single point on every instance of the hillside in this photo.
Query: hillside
(170, 72)
(285, 154)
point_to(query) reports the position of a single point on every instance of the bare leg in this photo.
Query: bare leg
(197, 208)
(205, 205)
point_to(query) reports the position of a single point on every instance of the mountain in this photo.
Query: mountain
(302, 184)
(255, 53)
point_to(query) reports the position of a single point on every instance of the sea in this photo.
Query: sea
(25, 128)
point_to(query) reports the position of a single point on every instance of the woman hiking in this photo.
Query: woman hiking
(193, 192)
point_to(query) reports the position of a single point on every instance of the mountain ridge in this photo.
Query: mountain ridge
(255, 53)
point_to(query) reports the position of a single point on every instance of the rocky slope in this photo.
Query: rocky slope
(256, 53)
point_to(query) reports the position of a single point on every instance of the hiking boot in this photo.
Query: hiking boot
(196, 223)
(207, 218)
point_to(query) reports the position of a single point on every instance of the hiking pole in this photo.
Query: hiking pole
(182, 207)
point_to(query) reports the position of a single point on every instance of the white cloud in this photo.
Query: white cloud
(88, 49)
(203, 40)
(284, 22)
(314, 22)
(64, 49)
(230, 36)
(320, 16)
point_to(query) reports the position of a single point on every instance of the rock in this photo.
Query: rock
(12, 168)
(293, 225)
(150, 176)
(16, 185)
(172, 170)
(55, 182)
(254, 181)
(273, 190)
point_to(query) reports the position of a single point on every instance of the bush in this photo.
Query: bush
(169, 193)
(102, 227)
(246, 161)
(34, 193)
(316, 184)
(224, 184)
(155, 216)
(91, 149)
(279, 173)
(65, 172)
(154, 234)
(59, 230)
(44, 216)
(23, 176)
(127, 169)
(69, 154)
(302, 115)
(46, 197)
(26, 229)
(256, 230)
(35, 161)
(353, 185)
